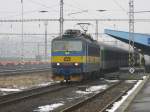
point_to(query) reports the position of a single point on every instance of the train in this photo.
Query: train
(76, 56)
(147, 63)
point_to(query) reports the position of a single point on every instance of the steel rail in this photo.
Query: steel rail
(79, 104)
(115, 100)
(19, 96)
(34, 92)
(21, 71)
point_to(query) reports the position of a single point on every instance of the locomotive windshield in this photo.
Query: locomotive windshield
(67, 46)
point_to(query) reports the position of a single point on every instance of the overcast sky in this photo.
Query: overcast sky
(116, 9)
(11, 9)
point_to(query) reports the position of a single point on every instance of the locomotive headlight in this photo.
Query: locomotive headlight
(76, 64)
(58, 64)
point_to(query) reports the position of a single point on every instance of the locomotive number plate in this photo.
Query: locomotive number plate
(67, 58)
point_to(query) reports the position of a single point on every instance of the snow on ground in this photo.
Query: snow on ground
(96, 88)
(131, 81)
(70, 99)
(111, 81)
(9, 90)
(92, 89)
(48, 108)
(117, 104)
(83, 92)
(16, 88)
(45, 84)
(48, 83)
(144, 77)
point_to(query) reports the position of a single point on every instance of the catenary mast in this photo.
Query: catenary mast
(131, 34)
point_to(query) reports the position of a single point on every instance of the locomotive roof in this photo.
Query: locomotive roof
(82, 37)
(74, 34)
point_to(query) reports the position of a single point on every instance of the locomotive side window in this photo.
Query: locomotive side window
(93, 51)
(67, 46)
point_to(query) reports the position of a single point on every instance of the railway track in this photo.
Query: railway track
(31, 100)
(20, 96)
(22, 71)
(101, 101)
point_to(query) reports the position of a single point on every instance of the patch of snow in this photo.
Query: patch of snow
(45, 84)
(83, 92)
(48, 108)
(101, 78)
(70, 99)
(96, 88)
(9, 90)
(23, 87)
(73, 98)
(92, 89)
(144, 77)
(48, 83)
(117, 104)
(111, 81)
(4, 93)
(57, 81)
(131, 81)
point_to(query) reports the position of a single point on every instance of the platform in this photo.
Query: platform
(141, 102)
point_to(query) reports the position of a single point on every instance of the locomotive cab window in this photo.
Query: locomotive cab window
(67, 46)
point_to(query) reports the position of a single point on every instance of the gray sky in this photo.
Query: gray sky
(11, 9)
(117, 9)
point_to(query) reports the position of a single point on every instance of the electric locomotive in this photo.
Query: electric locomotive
(75, 56)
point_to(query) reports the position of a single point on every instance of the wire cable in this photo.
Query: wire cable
(43, 5)
(120, 6)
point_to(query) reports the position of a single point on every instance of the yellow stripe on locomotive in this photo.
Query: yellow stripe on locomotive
(75, 59)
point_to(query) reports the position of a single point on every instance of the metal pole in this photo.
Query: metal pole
(131, 33)
(38, 49)
(61, 20)
(46, 23)
(22, 40)
(96, 33)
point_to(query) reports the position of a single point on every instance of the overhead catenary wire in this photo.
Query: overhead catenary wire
(36, 34)
(78, 6)
(43, 5)
(120, 6)
(85, 19)
(73, 6)
(33, 11)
